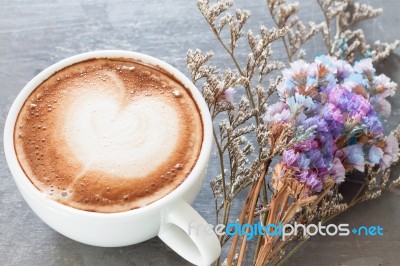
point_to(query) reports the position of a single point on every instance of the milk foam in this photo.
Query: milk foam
(129, 140)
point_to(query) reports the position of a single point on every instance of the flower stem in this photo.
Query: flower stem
(289, 56)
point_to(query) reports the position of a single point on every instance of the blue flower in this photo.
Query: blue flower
(354, 80)
(326, 61)
(355, 156)
(375, 154)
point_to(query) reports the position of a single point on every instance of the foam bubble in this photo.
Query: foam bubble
(176, 93)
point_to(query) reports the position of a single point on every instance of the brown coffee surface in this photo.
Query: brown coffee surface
(108, 135)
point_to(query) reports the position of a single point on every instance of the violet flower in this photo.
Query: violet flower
(290, 157)
(310, 178)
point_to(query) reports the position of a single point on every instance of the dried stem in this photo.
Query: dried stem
(243, 163)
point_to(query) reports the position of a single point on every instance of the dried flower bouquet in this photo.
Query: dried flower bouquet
(291, 154)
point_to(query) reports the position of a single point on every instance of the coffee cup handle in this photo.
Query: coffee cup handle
(189, 235)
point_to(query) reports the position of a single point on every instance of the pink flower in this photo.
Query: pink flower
(381, 105)
(386, 108)
(384, 87)
(335, 113)
(306, 145)
(297, 69)
(278, 112)
(390, 153)
(338, 171)
(228, 94)
(335, 95)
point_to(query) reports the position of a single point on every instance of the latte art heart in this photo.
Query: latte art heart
(128, 140)
(108, 135)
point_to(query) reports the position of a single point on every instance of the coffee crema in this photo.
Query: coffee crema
(108, 135)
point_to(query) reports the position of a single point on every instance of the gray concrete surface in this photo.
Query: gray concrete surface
(35, 34)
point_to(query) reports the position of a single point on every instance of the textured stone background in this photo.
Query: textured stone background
(36, 34)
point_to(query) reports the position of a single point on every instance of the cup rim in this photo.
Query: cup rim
(26, 186)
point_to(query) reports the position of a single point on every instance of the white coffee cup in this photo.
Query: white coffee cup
(168, 217)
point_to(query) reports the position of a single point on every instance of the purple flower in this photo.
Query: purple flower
(321, 124)
(314, 183)
(373, 124)
(344, 101)
(334, 113)
(310, 178)
(306, 145)
(328, 146)
(335, 95)
(317, 159)
(359, 107)
(390, 153)
(290, 157)
(336, 128)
